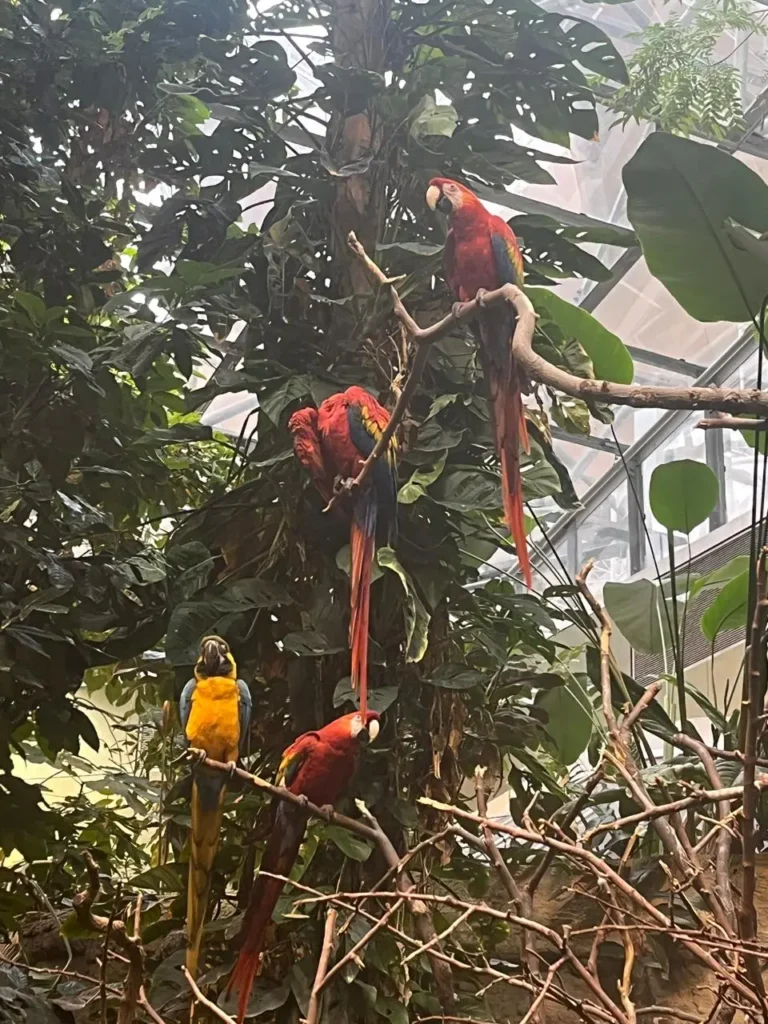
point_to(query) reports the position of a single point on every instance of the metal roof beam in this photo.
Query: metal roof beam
(680, 366)
(600, 444)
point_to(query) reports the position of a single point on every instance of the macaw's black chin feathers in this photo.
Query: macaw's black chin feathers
(214, 660)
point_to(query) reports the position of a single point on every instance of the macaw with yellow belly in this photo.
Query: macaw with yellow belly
(481, 254)
(318, 765)
(215, 711)
(332, 443)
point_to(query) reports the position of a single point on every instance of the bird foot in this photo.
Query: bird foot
(456, 309)
(343, 485)
(198, 755)
(231, 768)
(303, 800)
(480, 297)
(327, 812)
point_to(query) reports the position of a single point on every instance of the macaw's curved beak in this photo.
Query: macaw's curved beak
(434, 195)
(368, 733)
(213, 653)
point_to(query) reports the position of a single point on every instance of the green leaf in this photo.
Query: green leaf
(638, 611)
(308, 643)
(32, 304)
(414, 248)
(683, 494)
(679, 196)
(350, 845)
(415, 488)
(274, 402)
(715, 579)
(344, 562)
(713, 713)
(431, 119)
(569, 725)
(193, 619)
(729, 609)
(416, 615)
(379, 697)
(456, 677)
(466, 490)
(610, 357)
(165, 878)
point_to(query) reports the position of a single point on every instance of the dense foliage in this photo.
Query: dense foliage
(133, 137)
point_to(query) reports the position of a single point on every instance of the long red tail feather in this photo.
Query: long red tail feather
(362, 544)
(511, 433)
(266, 893)
(279, 857)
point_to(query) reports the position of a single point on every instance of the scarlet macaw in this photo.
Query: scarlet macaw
(319, 766)
(481, 253)
(215, 711)
(332, 445)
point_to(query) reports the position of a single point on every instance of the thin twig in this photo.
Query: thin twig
(722, 867)
(568, 820)
(521, 898)
(533, 1013)
(756, 668)
(203, 1001)
(733, 423)
(602, 870)
(313, 1010)
(82, 904)
(148, 1008)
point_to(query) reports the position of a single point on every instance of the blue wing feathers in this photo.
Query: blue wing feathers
(384, 471)
(185, 704)
(504, 264)
(246, 707)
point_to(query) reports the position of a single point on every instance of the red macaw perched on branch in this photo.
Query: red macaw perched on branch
(215, 711)
(332, 443)
(481, 253)
(319, 766)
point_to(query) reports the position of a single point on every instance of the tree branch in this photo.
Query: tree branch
(602, 870)
(203, 1001)
(375, 834)
(733, 423)
(522, 899)
(82, 904)
(313, 1010)
(756, 669)
(729, 400)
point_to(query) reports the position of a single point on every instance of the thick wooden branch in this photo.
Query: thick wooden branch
(723, 863)
(729, 400)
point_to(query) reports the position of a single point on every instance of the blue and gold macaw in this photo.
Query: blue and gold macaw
(215, 711)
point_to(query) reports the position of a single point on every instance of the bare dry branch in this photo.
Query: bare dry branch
(313, 1010)
(82, 904)
(204, 1001)
(375, 834)
(733, 423)
(756, 676)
